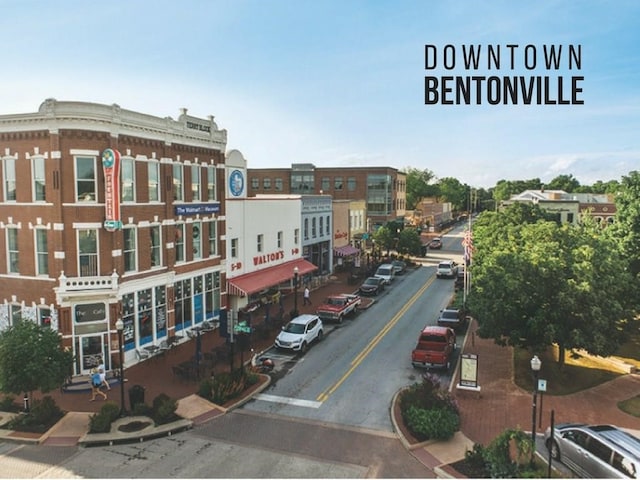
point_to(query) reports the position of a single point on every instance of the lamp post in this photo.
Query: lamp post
(535, 368)
(120, 328)
(295, 292)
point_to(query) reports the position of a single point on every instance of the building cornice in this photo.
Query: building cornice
(53, 116)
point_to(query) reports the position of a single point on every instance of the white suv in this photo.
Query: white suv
(298, 334)
(447, 269)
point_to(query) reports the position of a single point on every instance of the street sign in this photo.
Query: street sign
(542, 385)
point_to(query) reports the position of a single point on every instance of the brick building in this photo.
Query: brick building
(110, 214)
(382, 188)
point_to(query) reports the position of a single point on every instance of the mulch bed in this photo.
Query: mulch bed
(133, 426)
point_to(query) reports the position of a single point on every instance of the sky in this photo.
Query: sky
(342, 83)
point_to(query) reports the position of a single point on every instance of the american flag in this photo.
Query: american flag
(467, 243)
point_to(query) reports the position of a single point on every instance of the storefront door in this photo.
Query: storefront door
(91, 352)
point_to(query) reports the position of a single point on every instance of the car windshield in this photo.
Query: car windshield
(371, 281)
(336, 301)
(294, 328)
(449, 314)
(444, 265)
(384, 271)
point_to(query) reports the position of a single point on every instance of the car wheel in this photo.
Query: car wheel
(552, 446)
(320, 334)
(303, 347)
(339, 320)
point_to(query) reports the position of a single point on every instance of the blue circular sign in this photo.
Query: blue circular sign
(236, 183)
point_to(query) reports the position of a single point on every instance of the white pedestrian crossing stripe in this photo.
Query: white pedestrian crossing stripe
(288, 400)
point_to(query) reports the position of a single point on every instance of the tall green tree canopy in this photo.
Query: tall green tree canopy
(418, 186)
(409, 242)
(626, 228)
(451, 190)
(536, 283)
(31, 358)
(505, 188)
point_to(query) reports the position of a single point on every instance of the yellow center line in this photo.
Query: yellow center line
(374, 341)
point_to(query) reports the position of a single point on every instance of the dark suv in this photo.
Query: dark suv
(452, 318)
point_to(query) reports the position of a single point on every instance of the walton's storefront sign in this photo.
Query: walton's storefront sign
(111, 168)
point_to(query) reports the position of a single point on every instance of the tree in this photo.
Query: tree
(409, 242)
(31, 358)
(418, 186)
(568, 183)
(626, 228)
(451, 190)
(505, 188)
(536, 284)
(384, 238)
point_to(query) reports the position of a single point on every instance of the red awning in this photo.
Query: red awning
(345, 251)
(253, 282)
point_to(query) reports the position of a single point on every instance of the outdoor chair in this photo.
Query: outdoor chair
(142, 354)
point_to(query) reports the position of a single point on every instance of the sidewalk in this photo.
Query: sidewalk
(500, 404)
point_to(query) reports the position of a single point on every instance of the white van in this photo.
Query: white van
(386, 272)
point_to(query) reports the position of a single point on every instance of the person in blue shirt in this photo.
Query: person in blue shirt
(96, 383)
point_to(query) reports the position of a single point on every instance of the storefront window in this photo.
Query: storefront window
(183, 310)
(145, 319)
(212, 295)
(161, 311)
(128, 318)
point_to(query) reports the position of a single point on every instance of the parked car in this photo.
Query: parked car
(447, 269)
(452, 318)
(459, 282)
(300, 332)
(372, 286)
(435, 243)
(386, 272)
(595, 451)
(435, 348)
(399, 267)
(336, 307)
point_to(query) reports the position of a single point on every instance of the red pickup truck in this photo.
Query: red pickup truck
(435, 347)
(336, 307)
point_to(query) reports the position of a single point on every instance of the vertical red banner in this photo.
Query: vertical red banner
(111, 168)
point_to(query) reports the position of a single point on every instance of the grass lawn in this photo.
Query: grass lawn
(576, 374)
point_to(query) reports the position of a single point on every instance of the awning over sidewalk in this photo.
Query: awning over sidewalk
(345, 251)
(253, 282)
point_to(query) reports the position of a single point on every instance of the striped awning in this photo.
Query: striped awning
(345, 251)
(250, 283)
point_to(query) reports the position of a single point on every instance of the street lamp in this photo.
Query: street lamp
(535, 368)
(120, 328)
(295, 292)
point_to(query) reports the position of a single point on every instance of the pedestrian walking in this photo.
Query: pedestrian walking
(96, 383)
(306, 299)
(103, 375)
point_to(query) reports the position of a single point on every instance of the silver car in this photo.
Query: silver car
(598, 451)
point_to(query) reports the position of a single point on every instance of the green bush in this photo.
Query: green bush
(205, 389)
(433, 424)
(43, 415)
(495, 461)
(428, 411)
(164, 409)
(101, 422)
(46, 411)
(8, 404)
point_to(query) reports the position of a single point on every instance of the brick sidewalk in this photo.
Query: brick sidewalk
(502, 404)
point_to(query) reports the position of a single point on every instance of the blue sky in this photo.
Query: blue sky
(340, 83)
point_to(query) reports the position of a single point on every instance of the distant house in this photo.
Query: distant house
(569, 206)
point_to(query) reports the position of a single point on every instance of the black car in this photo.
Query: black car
(372, 286)
(452, 318)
